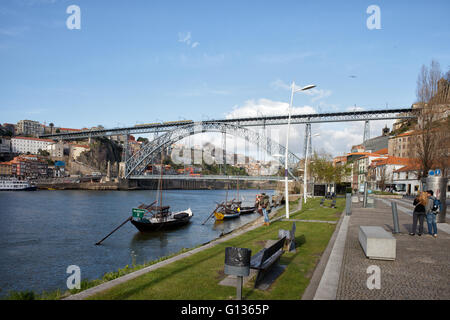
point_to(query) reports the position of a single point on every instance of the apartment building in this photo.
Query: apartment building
(28, 166)
(400, 145)
(56, 150)
(31, 145)
(29, 127)
(5, 145)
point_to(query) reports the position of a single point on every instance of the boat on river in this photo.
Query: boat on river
(224, 212)
(158, 218)
(14, 184)
(147, 218)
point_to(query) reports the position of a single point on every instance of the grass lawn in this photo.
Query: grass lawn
(311, 210)
(198, 276)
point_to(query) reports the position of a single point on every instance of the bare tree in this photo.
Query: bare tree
(431, 136)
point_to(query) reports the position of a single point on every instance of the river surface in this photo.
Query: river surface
(43, 232)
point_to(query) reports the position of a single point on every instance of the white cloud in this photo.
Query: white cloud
(334, 138)
(354, 108)
(186, 37)
(266, 107)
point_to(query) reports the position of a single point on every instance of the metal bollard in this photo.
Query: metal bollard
(395, 216)
(348, 204)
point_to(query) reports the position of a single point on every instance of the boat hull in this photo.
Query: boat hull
(148, 226)
(32, 188)
(246, 210)
(220, 216)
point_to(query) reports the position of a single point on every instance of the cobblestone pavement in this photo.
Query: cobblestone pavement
(420, 271)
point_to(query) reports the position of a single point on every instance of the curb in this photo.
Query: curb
(312, 289)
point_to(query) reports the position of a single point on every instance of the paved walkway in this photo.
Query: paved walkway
(421, 269)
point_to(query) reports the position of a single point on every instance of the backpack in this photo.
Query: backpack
(436, 205)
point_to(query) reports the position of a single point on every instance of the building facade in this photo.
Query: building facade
(29, 127)
(29, 166)
(400, 145)
(56, 150)
(29, 145)
(5, 145)
(5, 168)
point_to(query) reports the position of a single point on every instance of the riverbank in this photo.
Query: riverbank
(199, 271)
(173, 184)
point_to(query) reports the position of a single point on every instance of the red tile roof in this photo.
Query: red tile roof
(394, 160)
(382, 151)
(69, 129)
(36, 139)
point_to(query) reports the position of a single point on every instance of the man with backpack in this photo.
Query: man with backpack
(433, 210)
(265, 208)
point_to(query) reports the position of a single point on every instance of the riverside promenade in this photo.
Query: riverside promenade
(420, 271)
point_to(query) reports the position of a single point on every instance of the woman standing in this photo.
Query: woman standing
(420, 203)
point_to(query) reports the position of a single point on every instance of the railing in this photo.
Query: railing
(207, 177)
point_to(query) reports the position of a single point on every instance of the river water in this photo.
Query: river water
(43, 232)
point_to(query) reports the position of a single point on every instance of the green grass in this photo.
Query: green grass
(385, 193)
(198, 276)
(85, 284)
(311, 210)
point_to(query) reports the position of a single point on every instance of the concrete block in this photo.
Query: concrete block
(355, 199)
(377, 243)
(370, 202)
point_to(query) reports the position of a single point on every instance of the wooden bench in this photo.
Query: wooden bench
(264, 259)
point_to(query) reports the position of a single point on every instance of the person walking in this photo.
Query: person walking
(420, 203)
(265, 205)
(431, 214)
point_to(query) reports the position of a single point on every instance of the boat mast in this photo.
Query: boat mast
(160, 178)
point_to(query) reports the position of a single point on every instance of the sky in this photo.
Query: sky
(134, 62)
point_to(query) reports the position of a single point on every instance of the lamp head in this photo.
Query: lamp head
(306, 87)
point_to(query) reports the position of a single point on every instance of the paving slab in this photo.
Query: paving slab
(419, 272)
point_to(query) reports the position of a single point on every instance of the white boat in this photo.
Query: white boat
(14, 184)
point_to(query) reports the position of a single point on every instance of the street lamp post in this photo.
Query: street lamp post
(306, 167)
(286, 187)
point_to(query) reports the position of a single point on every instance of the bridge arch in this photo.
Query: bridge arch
(136, 164)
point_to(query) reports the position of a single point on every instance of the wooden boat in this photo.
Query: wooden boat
(224, 212)
(161, 220)
(247, 210)
(147, 218)
(234, 206)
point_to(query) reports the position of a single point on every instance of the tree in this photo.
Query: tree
(432, 131)
(144, 140)
(323, 170)
(44, 153)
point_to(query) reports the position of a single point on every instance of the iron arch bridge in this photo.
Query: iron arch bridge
(136, 164)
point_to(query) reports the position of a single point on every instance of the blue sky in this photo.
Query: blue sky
(145, 61)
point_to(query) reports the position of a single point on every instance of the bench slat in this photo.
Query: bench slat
(272, 259)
